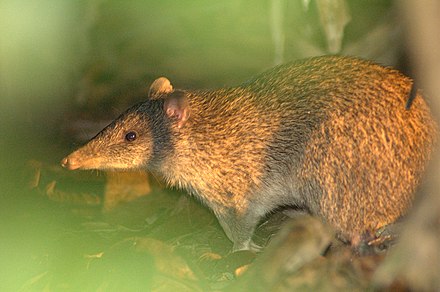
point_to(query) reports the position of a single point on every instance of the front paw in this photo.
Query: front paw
(247, 245)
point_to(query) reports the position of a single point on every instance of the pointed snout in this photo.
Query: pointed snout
(83, 158)
(70, 163)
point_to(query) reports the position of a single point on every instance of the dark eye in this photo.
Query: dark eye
(130, 136)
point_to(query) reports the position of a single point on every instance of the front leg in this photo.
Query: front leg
(239, 227)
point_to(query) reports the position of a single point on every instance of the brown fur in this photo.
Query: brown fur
(330, 135)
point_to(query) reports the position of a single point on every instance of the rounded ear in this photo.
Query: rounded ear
(176, 107)
(160, 86)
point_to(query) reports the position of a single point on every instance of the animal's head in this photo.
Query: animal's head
(137, 138)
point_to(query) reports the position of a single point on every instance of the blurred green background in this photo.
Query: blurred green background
(61, 60)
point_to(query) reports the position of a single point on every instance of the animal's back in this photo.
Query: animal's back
(328, 134)
(361, 152)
